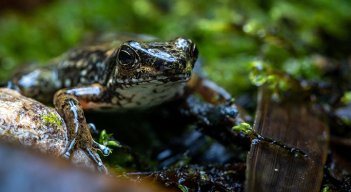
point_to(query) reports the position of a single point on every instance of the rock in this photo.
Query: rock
(29, 123)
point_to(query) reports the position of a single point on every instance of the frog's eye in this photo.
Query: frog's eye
(126, 57)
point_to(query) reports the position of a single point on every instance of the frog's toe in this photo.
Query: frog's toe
(95, 157)
(104, 149)
(93, 128)
(69, 148)
(66, 155)
(102, 169)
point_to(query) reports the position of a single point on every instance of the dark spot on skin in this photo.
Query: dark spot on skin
(91, 77)
(158, 64)
(183, 63)
(137, 75)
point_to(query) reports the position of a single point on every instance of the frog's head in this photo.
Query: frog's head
(155, 62)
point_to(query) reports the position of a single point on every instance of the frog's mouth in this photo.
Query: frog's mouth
(160, 79)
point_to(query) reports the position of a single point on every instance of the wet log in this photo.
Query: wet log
(296, 123)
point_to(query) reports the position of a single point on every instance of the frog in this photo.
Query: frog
(127, 72)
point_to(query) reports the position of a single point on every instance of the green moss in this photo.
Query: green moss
(106, 139)
(262, 74)
(346, 98)
(244, 128)
(305, 67)
(326, 189)
(51, 119)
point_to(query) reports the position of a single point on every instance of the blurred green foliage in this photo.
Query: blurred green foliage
(244, 128)
(230, 34)
(346, 99)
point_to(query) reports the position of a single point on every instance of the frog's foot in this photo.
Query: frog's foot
(104, 149)
(91, 152)
(69, 108)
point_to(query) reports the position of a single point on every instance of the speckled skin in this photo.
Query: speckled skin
(129, 74)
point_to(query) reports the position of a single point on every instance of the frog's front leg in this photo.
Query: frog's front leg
(217, 115)
(70, 103)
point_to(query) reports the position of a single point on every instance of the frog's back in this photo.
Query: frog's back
(90, 63)
(84, 65)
